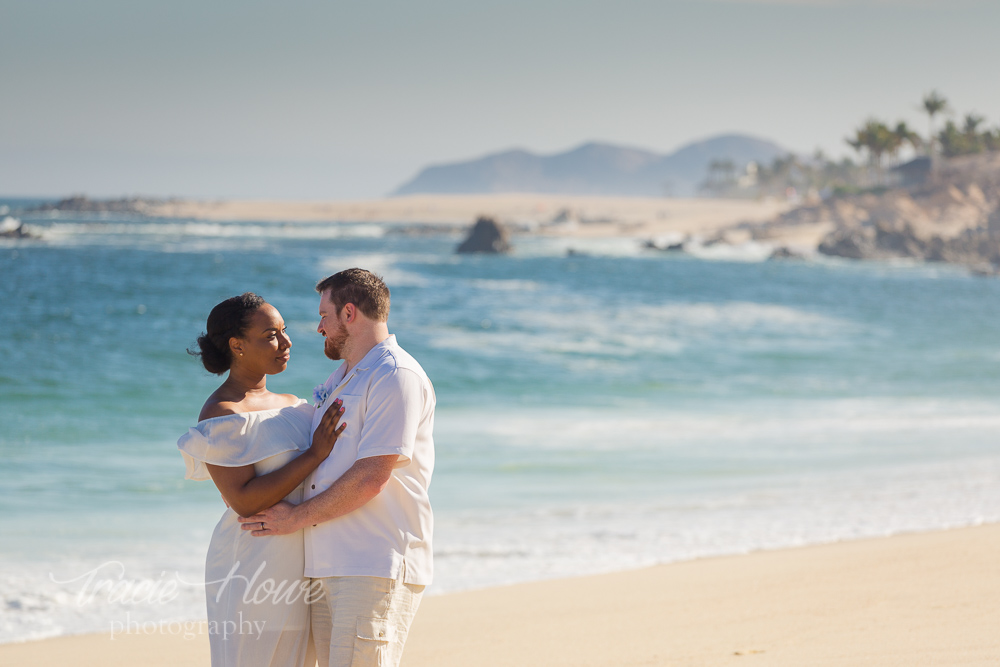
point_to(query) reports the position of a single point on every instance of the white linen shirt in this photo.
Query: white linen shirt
(389, 409)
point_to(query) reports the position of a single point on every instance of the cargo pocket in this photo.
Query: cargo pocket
(373, 643)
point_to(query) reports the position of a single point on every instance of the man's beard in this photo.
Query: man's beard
(333, 347)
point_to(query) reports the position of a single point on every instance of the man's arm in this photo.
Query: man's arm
(363, 481)
(396, 403)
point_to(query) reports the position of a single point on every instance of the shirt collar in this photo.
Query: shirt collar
(340, 376)
(376, 353)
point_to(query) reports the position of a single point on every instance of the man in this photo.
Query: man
(366, 514)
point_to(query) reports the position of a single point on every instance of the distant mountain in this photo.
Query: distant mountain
(593, 169)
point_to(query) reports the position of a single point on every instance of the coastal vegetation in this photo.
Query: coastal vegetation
(943, 205)
(787, 175)
(881, 147)
(879, 139)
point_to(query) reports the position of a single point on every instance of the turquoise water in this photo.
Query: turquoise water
(608, 410)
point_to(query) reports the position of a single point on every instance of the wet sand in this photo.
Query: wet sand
(907, 600)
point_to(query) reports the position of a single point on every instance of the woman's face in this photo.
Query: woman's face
(265, 347)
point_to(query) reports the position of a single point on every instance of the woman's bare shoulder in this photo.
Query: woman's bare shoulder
(218, 406)
(215, 408)
(288, 400)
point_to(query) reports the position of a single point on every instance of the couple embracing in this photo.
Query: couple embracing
(325, 549)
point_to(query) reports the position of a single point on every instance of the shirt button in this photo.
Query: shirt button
(314, 486)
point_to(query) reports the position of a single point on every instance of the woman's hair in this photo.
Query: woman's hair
(228, 319)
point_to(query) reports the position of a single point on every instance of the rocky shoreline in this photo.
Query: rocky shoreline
(953, 217)
(83, 204)
(12, 228)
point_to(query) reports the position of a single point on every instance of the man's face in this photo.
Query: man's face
(331, 328)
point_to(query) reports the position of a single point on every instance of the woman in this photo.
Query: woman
(255, 445)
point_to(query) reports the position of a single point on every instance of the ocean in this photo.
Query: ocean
(599, 410)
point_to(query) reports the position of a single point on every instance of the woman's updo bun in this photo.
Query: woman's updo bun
(228, 319)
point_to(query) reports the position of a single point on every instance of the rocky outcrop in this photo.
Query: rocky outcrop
(947, 225)
(953, 218)
(486, 236)
(676, 246)
(83, 204)
(877, 241)
(12, 228)
(783, 252)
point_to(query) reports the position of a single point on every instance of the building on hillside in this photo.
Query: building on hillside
(914, 173)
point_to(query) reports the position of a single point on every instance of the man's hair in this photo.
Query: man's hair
(363, 288)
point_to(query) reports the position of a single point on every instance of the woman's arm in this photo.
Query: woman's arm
(248, 494)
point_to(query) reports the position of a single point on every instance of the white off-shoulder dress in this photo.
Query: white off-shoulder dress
(258, 611)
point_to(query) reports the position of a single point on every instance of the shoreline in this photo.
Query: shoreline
(948, 217)
(657, 222)
(557, 215)
(914, 599)
(463, 209)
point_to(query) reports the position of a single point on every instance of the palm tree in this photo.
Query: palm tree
(860, 143)
(876, 138)
(721, 176)
(972, 123)
(957, 141)
(933, 103)
(952, 141)
(904, 135)
(991, 139)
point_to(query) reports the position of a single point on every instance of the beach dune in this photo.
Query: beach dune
(908, 600)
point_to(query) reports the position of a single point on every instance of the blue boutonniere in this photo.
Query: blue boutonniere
(320, 394)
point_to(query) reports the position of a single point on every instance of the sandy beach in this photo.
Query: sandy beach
(919, 599)
(550, 214)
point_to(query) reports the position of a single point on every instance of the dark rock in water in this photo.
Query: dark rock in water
(83, 204)
(952, 216)
(985, 270)
(487, 236)
(900, 241)
(564, 215)
(976, 247)
(880, 240)
(12, 228)
(851, 242)
(786, 253)
(668, 247)
(876, 241)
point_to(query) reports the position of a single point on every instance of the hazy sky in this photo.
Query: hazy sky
(245, 98)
